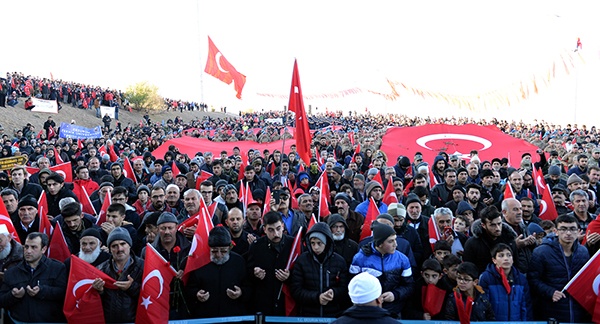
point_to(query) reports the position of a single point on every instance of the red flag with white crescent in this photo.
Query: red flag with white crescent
(508, 191)
(389, 197)
(204, 175)
(290, 302)
(58, 248)
(128, 171)
(267, 202)
(372, 213)
(65, 170)
(102, 215)
(5, 220)
(153, 303)
(218, 66)
(45, 225)
(583, 286)
(57, 157)
(199, 255)
(547, 207)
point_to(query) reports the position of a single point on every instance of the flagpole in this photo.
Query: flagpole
(200, 52)
(283, 122)
(587, 264)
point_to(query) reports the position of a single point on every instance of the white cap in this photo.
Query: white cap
(4, 229)
(364, 288)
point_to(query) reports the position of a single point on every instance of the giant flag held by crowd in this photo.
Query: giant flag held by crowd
(218, 66)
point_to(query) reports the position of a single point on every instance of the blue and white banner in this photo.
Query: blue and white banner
(79, 132)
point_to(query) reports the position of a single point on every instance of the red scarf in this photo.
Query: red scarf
(464, 311)
(505, 282)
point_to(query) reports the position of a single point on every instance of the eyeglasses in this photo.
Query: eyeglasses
(569, 229)
(463, 279)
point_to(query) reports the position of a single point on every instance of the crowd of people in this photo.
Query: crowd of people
(441, 228)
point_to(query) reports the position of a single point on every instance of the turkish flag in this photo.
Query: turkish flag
(199, 255)
(267, 202)
(313, 221)
(218, 66)
(241, 172)
(290, 303)
(153, 302)
(432, 179)
(377, 178)
(296, 104)
(389, 197)
(432, 299)
(434, 232)
(45, 225)
(32, 170)
(583, 285)
(540, 182)
(5, 220)
(202, 177)
(102, 151)
(51, 133)
(57, 157)
(356, 151)
(58, 248)
(508, 191)
(430, 139)
(372, 213)
(175, 169)
(84, 305)
(79, 144)
(102, 215)
(128, 171)
(547, 207)
(65, 170)
(318, 157)
(323, 185)
(86, 202)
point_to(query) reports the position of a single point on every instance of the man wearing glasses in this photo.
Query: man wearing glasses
(553, 264)
(292, 219)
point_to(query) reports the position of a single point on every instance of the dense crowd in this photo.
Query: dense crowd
(441, 227)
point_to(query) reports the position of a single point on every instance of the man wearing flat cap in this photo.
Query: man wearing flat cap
(353, 219)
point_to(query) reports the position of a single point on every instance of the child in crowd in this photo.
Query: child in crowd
(468, 300)
(450, 264)
(506, 288)
(431, 273)
(548, 227)
(441, 248)
(462, 225)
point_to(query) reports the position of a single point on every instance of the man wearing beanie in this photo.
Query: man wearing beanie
(393, 267)
(353, 219)
(219, 288)
(28, 215)
(373, 190)
(120, 304)
(342, 244)
(365, 293)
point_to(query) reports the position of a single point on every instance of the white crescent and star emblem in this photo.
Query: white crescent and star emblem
(540, 182)
(154, 273)
(543, 207)
(595, 284)
(125, 173)
(62, 173)
(82, 283)
(218, 60)
(423, 140)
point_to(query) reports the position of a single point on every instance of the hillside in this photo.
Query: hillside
(17, 117)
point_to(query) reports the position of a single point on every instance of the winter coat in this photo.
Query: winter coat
(393, 271)
(269, 257)
(550, 271)
(345, 247)
(71, 238)
(481, 311)
(46, 306)
(515, 306)
(402, 246)
(313, 275)
(366, 314)
(13, 258)
(478, 247)
(216, 279)
(120, 305)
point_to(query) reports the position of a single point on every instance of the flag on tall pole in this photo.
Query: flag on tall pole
(218, 66)
(296, 104)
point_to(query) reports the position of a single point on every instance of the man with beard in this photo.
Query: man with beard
(373, 190)
(440, 193)
(173, 247)
(580, 201)
(439, 165)
(105, 187)
(353, 219)
(292, 219)
(96, 173)
(232, 198)
(90, 252)
(253, 224)
(342, 244)
(398, 213)
(267, 260)
(473, 173)
(240, 238)
(473, 198)
(73, 223)
(559, 196)
(420, 223)
(220, 287)
(489, 192)
(527, 209)
(120, 304)
(11, 251)
(116, 170)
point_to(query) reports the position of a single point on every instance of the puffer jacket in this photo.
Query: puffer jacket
(550, 271)
(120, 305)
(480, 245)
(392, 270)
(515, 306)
(313, 275)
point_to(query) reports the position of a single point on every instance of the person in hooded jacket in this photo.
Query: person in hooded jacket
(320, 276)
(342, 244)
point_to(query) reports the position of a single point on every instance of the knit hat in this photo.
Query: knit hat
(302, 176)
(166, 217)
(404, 161)
(461, 169)
(342, 196)
(92, 232)
(487, 173)
(561, 188)
(119, 233)
(574, 178)
(338, 170)
(220, 183)
(411, 198)
(397, 209)
(165, 169)
(364, 288)
(381, 232)
(219, 236)
(386, 216)
(554, 170)
(28, 200)
(370, 186)
(318, 235)
(463, 206)
(44, 170)
(106, 184)
(535, 228)
(359, 177)
(372, 171)
(143, 188)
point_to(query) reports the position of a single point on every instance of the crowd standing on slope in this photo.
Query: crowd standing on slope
(492, 253)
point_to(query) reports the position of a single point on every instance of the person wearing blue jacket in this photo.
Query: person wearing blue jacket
(506, 287)
(553, 265)
(392, 268)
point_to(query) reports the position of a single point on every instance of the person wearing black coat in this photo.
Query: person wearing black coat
(220, 287)
(342, 244)
(320, 276)
(49, 279)
(266, 266)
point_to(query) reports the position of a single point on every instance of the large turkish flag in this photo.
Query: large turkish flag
(430, 140)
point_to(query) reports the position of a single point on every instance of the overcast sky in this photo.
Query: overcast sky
(458, 47)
